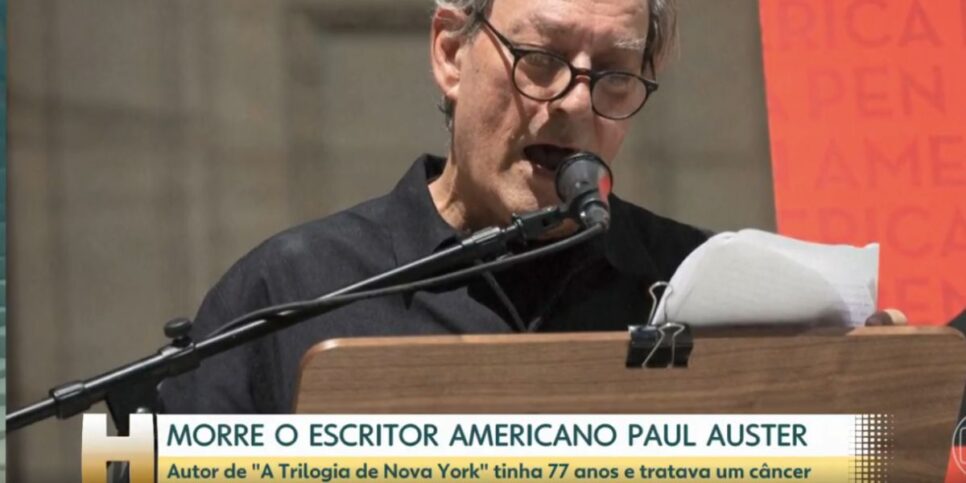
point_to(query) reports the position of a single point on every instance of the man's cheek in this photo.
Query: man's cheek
(611, 141)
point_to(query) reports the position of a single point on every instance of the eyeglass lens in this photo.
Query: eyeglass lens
(545, 77)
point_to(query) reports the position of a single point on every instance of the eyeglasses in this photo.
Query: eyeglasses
(543, 76)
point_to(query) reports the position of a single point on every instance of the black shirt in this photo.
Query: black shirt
(601, 285)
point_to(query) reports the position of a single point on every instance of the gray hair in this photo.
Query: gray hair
(661, 33)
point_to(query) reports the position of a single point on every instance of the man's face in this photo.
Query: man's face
(505, 145)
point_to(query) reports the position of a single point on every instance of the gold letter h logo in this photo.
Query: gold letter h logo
(98, 449)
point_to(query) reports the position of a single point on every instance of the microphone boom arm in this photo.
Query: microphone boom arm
(583, 183)
(132, 388)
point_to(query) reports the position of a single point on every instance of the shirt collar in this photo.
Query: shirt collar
(418, 229)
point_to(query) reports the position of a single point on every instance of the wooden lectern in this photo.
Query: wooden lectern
(916, 374)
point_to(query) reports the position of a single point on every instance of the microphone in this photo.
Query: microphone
(583, 184)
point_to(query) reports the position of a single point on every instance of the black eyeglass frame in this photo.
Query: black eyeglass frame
(519, 52)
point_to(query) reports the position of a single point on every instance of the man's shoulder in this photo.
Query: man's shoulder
(666, 241)
(647, 221)
(362, 228)
(322, 253)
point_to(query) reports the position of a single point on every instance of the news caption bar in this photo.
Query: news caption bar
(389, 448)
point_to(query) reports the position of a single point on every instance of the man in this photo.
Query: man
(525, 83)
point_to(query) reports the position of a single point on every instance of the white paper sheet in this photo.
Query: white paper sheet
(753, 277)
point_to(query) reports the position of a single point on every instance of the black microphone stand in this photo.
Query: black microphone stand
(133, 388)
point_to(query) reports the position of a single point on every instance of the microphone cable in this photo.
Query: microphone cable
(325, 303)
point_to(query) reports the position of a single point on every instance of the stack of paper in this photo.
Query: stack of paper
(752, 277)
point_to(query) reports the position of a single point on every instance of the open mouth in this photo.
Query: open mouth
(547, 156)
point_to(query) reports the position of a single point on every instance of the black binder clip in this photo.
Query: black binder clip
(659, 346)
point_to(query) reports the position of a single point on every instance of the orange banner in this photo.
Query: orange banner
(867, 116)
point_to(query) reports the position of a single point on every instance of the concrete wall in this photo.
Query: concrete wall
(153, 142)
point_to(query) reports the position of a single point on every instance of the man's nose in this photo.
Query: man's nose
(577, 100)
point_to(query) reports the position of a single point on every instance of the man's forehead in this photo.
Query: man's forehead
(623, 20)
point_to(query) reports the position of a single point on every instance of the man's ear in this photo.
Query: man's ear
(446, 50)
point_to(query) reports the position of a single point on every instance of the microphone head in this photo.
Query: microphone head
(581, 173)
(583, 184)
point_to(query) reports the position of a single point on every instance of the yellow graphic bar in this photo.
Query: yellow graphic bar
(515, 469)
